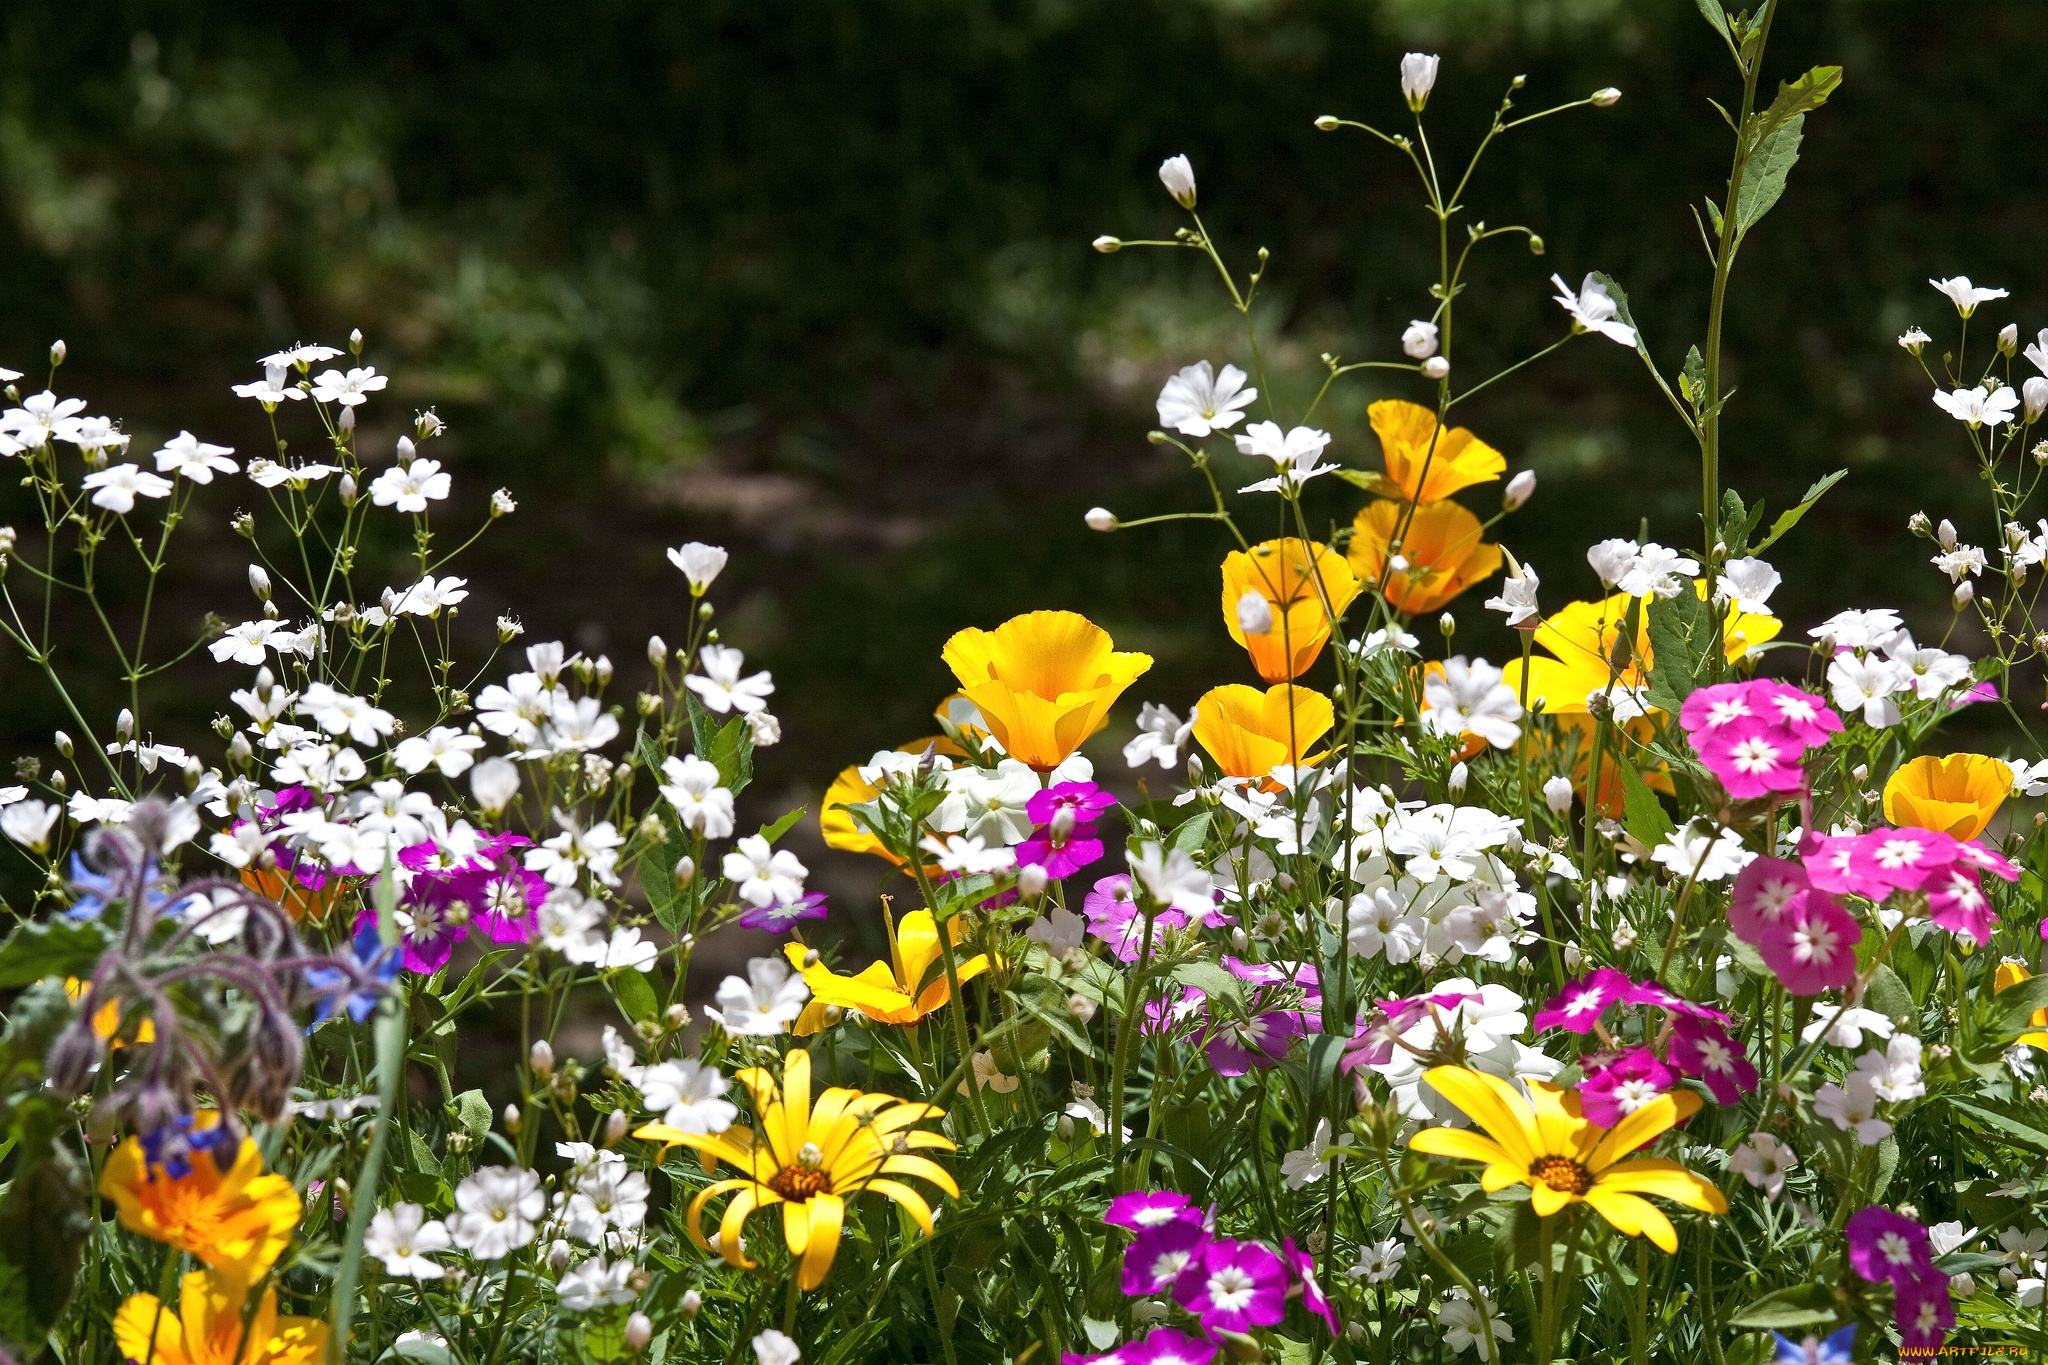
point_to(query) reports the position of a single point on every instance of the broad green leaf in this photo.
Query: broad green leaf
(1715, 15)
(1738, 523)
(1044, 1000)
(1805, 1305)
(636, 995)
(1796, 99)
(473, 1112)
(1763, 179)
(1210, 979)
(1887, 1163)
(1372, 481)
(424, 1351)
(2020, 1126)
(1887, 994)
(730, 746)
(1101, 1335)
(56, 947)
(1788, 519)
(1646, 819)
(781, 827)
(1679, 631)
(1188, 838)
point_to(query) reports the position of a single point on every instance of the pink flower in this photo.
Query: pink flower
(1655, 993)
(1156, 1259)
(1763, 891)
(1956, 901)
(1240, 1045)
(1987, 860)
(1312, 1296)
(1141, 1209)
(1924, 1312)
(1705, 1050)
(1060, 856)
(1888, 1246)
(1278, 974)
(1752, 759)
(1579, 1007)
(1085, 800)
(1900, 859)
(1168, 1346)
(1713, 708)
(1623, 1086)
(1810, 719)
(1234, 1287)
(1112, 912)
(1812, 947)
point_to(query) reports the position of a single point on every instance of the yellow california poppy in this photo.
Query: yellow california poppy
(1443, 548)
(840, 829)
(106, 1020)
(1249, 733)
(1409, 440)
(1579, 639)
(237, 1221)
(1543, 1142)
(206, 1328)
(811, 1159)
(1286, 573)
(904, 989)
(1957, 794)
(2008, 975)
(1043, 682)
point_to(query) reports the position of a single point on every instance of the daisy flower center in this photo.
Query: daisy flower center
(798, 1183)
(1561, 1173)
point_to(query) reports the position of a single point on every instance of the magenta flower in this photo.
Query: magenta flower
(1889, 1246)
(1751, 759)
(1240, 1045)
(1625, 1085)
(1159, 1255)
(1956, 902)
(1709, 709)
(503, 900)
(1112, 913)
(1175, 1007)
(1763, 892)
(1085, 800)
(1660, 995)
(783, 915)
(1924, 1312)
(1828, 861)
(1901, 859)
(1060, 856)
(1579, 1007)
(1705, 1050)
(1987, 860)
(1280, 974)
(426, 934)
(1168, 1346)
(1812, 947)
(1312, 1296)
(1141, 1209)
(1380, 1029)
(1233, 1287)
(1808, 718)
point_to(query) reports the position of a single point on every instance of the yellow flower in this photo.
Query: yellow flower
(207, 1328)
(2008, 975)
(1957, 795)
(236, 1222)
(1443, 548)
(811, 1160)
(1580, 638)
(837, 824)
(1565, 1159)
(1285, 573)
(1043, 682)
(106, 1021)
(893, 992)
(1249, 733)
(1407, 432)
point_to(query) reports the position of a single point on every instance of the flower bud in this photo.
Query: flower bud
(1919, 525)
(1624, 937)
(693, 1303)
(2009, 339)
(1239, 940)
(1398, 564)
(1105, 245)
(1178, 175)
(558, 1256)
(1520, 489)
(1081, 1007)
(355, 341)
(1573, 958)
(503, 504)
(2035, 394)
(1460, 776)
(639, 1331)
(615, 1127)
(494, 782)
(1418, 78)
(511, 1117)
(686, 872)
(405, 450)
(345, 489)
(1419, 342)
(347, 421)
(7, 539)
(1557, 794)
(1964, 595)
(1945, 534)
(657, 650)
(541, 1058)
(1606, 97)
(1031, 881)
(1447, 624)
(58, 350)
(1436, 367)
(428, 424)
(1327, 123)
(1064, 1126)
(1254, 614)
(240, 750)
(124, 725)
(245, 526)
(1100, 519)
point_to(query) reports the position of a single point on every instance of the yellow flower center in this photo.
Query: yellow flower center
(798, 1183)
(1561, 1173)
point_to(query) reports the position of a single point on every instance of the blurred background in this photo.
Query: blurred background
(813, 282)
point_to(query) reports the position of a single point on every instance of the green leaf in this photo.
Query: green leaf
(1887, 1163)
(1210, 979)
(56, 947)
(1787, 520)
(636, 995)
(1646, 819)
(1797, 99)
(1188, 838)
(1716, 16)
(1101, 1335)
(781, 827)
(1692, 380)
(421, 1155)
(1294, 1352)
(473, 1112)
(730, 747)
(2016, 1004)
(1738, 523)
(1805, 1305)
(1887, 994)
(1043, 999)
(1680, 631)
(43, 1225)
(2012, 1124)
(1763, 179)
(1372, 481)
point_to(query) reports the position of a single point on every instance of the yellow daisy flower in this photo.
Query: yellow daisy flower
(1565, 1159)
(207, 1329)
(811, 1159)
(902, 990)
(237, 1222)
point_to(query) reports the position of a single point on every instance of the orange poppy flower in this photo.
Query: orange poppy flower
(1956, 795)
(1249, 733)
(1409, 440)
(1044, 682)
(1443, 548)
(1294, 577)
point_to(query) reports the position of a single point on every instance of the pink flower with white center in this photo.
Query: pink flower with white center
(1654, 993)
(1142, 1209)
(1812, 947)
(1234, 1286)
(1165, 1346)
(1613, 1092)
(1888, 1246)
(1809, 718)
(1312, 1296)
(1987, 860)
(1763, 892)
(1901, 859)
(1156, 1259)
(1711, 708)
(1956, 901)
(1579, 1006)
(1752, 759)
(1830, 866)
(1706, 1051)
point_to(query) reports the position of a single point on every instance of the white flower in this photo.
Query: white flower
(2028, 779)
(1977, 407)
(1418, 78)
(1857, 629)
(689, 1096)
(1517, 600)
(338, 713)
(1295, 455)
(1058, 931)
(349, 390)
(702, 805)
(300, 355)
(559, 858)
(1948, 1237)
(721, 688)
(1748, 583)
(105, 810)
(1198, 401)
(1846, 1027)
(1379, 1262)
(117, 488)
(988, 804)
(1964, 295)
(578, 725)
(41, 418)
(1462, 1321)
(1447, 841)
(1593, 310)
(187, 455)
(772, 1347)
(1419, 341)
(402, 1237)
(966, 855)
(268, 474)
(1928, 670)
(700, 563)
(96, 433)
(1852, 1106)
(428, 596)
(628, 950)
(270, 390)
(988, 1075)
(1161, 734)
(29, 823)
(1699, 850)
(1612, 560)
(1471, 698)
(409, 488)
(442, 747)
(515, 710)
(1380, 642)
(1178, 175)
(1557, 794)
(1895, 1072)
(1867, 684)
(1308, 1164)
(762, 1005)
(607, 1196)
(762, 875)
(763, 729)
(1963, 561)
(1173, 879)
(569, 924)
(496, 1210)
(1656, 570)
(594, 1284)
(1912, 339)
(1762, 1160)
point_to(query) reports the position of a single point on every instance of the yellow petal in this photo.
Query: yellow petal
(1460, 1142)
(1668, 1179)
(731, 1226)
(1494, 1105)
(1660, 1114)
(1636, 1217)
(910, 1199)
(828, 1213)
(692, 1221)
(1546, 1200)
(922, 1168)
(796, 1097)
(796, 1227)
(142, 1317)
(1558, 1122)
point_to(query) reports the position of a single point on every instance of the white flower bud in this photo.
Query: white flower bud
(1861, 772)
(1447, 624)
(1178, 175)
(346, 488)
(58, 350)
(1436, 367)
(1100, 519)
(239, 748)
(657, 650)
(1557, 794)
(428, 423)
(1573, 958)
(1064, 1126)
(1418, 78)
(259, 582)
(511, 1117)
(1606, 97)
(1239, 940)
(1254, 614)
(405, 450)
(1031, 880)
(541, 1058)
(124, 725)
(1624, 937)
(1398, 564)
(1420, 340)
(1964, 594)
(615, 1127)
(602, 669)
(693, 1303)
(639, 1331)
(1081, 1007)
(1105, 245)
(1520, 489)
(347, 421)
(355, 340)
(7, 539)
(503, 504)
(2009, 339)
(1460, 775)
(2035, 394)
(1919, 525)
(1945, 534)
(686, 872)
(1328, 123)
(494, 782)
(558, 1256)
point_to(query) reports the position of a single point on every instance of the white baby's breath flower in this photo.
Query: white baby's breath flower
(409, 488)
(1198, 401)
(116, 488)
(186, 456)
(701, 564)
(1964, 295)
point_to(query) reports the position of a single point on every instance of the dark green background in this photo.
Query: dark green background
(813, 280)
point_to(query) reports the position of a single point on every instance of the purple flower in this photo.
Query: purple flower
(1814, 1351)
(1156, 1259)
(1660, 995)
(1924, 1313)
(1623, 1086)
(1112, 912)
(1240, 1045)
(1233, 1287)
(1168, 1346)
(172, 1145)
(780, 917)
(1704, 1049)
(503, 900)
(1085, 800)
(1380, 1030)
(1312, 1296)
(1061, 854)
(427, 932)
(1887, 860)
(1579, 1007)
(1280, 974)
(1141, 1209)
(358, 986)
(1888, 1246)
